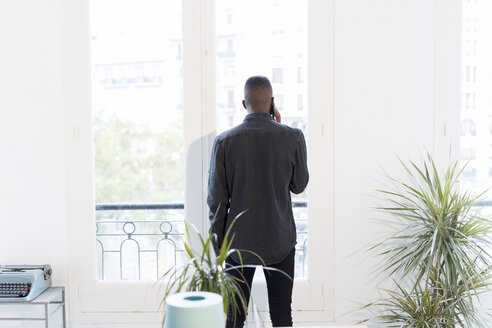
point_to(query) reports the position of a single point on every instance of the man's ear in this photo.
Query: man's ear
(244, 105)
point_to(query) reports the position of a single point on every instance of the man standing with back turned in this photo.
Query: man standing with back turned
(253, 168)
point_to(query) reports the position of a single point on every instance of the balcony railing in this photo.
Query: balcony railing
(142, 241)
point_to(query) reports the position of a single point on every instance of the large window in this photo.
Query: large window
(138, 118)
(165, 77)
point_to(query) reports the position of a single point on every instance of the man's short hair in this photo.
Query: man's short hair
(257, 82)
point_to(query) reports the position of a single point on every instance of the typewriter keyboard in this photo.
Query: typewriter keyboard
(14, 289)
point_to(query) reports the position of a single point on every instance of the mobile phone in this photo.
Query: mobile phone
(272, 110)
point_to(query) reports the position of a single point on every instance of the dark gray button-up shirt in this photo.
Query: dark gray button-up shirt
(254, 167)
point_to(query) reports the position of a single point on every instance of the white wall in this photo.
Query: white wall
(386, 73)
(33, 225)
(384, 106)
(388, 92)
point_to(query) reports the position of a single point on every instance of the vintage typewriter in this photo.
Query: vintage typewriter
(22, 283)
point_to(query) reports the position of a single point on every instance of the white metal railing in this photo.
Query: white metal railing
(142, 241)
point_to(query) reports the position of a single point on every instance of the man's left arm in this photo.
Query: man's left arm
(300, 174)
(218, 194)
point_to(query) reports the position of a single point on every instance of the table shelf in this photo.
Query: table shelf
(45, 311)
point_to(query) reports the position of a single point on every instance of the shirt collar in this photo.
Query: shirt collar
(258, 116)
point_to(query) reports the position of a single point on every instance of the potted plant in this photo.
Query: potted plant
(437, 254)
(205, 271)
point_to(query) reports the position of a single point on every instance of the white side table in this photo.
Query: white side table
(45, 311)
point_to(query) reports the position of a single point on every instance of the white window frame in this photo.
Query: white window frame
(92, 301)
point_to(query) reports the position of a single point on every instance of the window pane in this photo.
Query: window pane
(138, 135)
(476, 111)
(275, 46)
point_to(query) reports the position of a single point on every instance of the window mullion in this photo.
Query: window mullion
(208, 96)
(199, 105)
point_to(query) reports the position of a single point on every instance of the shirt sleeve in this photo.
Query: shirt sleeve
(218, 195)
(300, 174)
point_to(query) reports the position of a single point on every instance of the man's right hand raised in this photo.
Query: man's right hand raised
(278, 117)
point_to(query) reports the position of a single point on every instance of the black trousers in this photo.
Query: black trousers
(279, 292)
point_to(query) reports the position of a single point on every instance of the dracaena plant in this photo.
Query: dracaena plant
(204, 271)
(438, 254)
